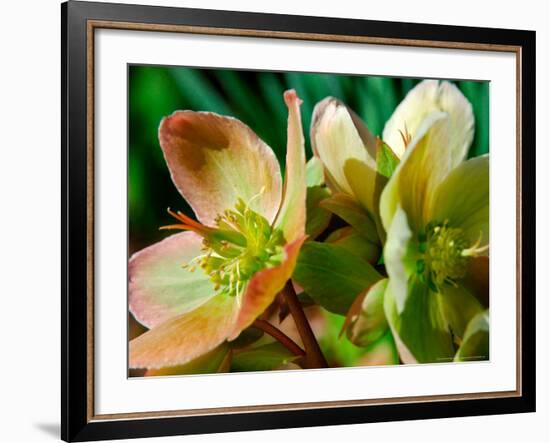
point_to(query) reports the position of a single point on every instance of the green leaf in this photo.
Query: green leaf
(352, 213)
(333, 276)
(420, 330)
(262, 358)
(349, 239)
(475, 345)
(317, 218)
(386, 160)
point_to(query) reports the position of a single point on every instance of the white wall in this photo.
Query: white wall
(29, 218)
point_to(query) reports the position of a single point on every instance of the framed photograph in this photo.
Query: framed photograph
(277, 221)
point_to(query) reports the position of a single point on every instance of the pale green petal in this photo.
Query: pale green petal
(159, 287)
(426, 162)
(370, 323)
(420, 330)
(398, 257)
(367, 185)
(427, 97)
(459, 306)
(338, 136)
(413, 311)
(475, 346)
(463, 199)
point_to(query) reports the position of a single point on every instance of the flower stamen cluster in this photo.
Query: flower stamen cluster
(241, 244)
(445, 255)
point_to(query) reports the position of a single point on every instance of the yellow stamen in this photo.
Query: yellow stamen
(475, 250)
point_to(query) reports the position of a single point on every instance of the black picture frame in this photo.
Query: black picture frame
(77, 422)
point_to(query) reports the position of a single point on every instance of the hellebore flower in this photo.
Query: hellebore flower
(357, 164)
(201, 287)
(348, 152)
(427, 97)
(435, 209)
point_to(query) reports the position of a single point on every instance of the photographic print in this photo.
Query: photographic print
(261, 242)
(288, 221)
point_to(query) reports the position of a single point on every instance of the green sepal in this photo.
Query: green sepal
(386, 160)
(314, 172)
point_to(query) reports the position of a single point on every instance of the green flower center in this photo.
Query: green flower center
(243, 244)
(445, 253)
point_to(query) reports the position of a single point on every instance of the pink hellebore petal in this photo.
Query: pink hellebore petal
(185, 337)
(292, 214)
(158, 285)
(215, 160)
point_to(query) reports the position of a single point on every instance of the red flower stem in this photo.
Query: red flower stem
(314, 356)
(280, 336)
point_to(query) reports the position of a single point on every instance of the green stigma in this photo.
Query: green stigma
(445, 254)
(242, 244)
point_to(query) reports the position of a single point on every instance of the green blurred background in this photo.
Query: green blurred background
(256, 98)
